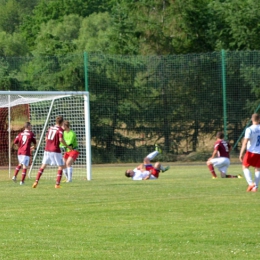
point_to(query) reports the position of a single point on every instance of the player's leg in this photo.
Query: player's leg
(152, 155)
(211, 167)
(65, 157)
(249, 160)
(69, 167)
(223, 165)
(159, 167)
(25, 163)
(24, 172)
(59, 176)
(73, 155)
(257, 179)
(248, 178)
(57, 158)
(39, 174)
(17, 169)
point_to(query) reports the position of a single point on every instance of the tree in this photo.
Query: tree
(235, 24)
(94, 33)
(12, 45)
(56, 10)
(58, 38)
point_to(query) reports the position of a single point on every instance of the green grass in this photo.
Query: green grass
(183, 215)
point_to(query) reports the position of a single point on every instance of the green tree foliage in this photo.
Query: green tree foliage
(94, 35)
(236, 24)
(9, 16)
(56, 10)
(12, 45)
(12, 13)
(58, 38)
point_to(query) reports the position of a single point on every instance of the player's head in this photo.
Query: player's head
(220, 135)
(66, 124)
(255, 118)
(27, 125)
(59, 120)
(129, 173)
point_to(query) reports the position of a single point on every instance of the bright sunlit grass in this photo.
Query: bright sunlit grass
(183, 215)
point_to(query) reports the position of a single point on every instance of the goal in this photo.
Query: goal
(41, 109)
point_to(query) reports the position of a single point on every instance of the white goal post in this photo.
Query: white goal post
(41, 109)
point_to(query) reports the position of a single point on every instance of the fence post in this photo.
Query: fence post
(223, 65)
(86, 70)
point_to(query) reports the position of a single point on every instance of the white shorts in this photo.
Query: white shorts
(222, 163)
(52, 158)
(24, 160)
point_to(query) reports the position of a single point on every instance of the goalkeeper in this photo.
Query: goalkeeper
(69, 156)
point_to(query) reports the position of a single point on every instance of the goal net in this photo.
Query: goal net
(41, 109)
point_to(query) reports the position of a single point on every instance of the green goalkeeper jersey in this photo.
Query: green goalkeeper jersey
(70, 139)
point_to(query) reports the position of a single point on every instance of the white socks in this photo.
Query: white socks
(69, 171)
(248, 176)
(152, 155)
(65, 172)
(257, 178)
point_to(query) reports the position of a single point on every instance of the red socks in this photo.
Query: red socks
(59, 176)
(211, 168)
(17, 169)
(40, 172)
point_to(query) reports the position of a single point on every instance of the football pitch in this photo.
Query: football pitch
(183, 215)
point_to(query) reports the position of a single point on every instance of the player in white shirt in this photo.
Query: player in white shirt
(251, 144)
(147, 171)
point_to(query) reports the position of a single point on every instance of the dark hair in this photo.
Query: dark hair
(220, 135)
(27, 124)
(59, 120)
(255, 117)
(127, 174)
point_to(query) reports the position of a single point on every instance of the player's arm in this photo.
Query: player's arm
(64, 143)
(213, 154)
(33, 147)
(243, 149)
(147, 177)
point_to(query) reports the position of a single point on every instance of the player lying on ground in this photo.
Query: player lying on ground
(24, 140)
(220, 158)
(147, 171)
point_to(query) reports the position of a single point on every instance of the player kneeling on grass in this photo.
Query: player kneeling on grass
(147, 171)
(24, 140)
(221, 149)
(69, 156)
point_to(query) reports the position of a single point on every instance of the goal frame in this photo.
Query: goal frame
(85, 94)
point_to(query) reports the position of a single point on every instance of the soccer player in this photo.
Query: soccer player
(69, 156)
(140, 171)
(220, 158)
(251, 144)
(24, 140)
(139, 174)
(52, 153)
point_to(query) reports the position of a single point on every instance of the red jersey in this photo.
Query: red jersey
(24, 140)
(53, 139)
(223, 148)
(152, 170)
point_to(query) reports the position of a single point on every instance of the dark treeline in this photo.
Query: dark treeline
(136, 101)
